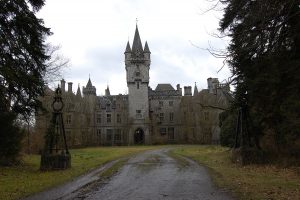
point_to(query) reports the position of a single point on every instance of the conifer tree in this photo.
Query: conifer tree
(22, 64)
(265, 61)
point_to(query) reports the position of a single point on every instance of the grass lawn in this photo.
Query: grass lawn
(249, 182)
(26, 179)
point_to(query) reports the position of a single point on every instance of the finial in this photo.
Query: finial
(136, 21)
(89, 75)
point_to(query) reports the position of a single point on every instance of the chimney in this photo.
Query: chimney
(63, 85)
(179, 89)
(212, 84)
(70, 87)
(187, 91)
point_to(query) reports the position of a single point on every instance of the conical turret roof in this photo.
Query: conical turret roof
(107, 92)
(78, 93)
(128, 49)
(146, 48)
(195, 89)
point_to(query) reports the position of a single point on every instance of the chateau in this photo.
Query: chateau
(144, 116)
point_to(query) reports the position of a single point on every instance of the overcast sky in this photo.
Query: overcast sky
(93, 36)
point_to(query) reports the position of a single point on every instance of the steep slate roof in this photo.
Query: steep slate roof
(164, 87)
(89, 83)
(195, 90)
(78, 93)
(128, 49)
(163, 90)
(137, 44)
(146, 48)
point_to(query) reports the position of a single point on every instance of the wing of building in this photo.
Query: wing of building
(144, 116)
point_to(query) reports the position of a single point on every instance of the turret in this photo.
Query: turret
(107, 92)
(147, 53)
(195, 89)
(78, 93)
(127, 51)
(89, 89)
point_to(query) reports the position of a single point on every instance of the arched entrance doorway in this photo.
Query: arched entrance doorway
(139, 136)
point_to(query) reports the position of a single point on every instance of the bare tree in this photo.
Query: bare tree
(55, 65)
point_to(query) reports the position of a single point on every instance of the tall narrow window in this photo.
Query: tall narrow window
(119, 118)
(98, 118)
(138, 114)
(108, 135)
(108, 118)
(171, 117)
(98, 132)
(161, 117)
(69, 119)
(161, 103)
(206, 115)
(171, 135)
(138, 85)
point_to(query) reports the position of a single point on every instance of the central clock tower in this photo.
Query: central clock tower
(137, 65)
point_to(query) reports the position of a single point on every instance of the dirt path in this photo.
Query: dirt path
(155, 175)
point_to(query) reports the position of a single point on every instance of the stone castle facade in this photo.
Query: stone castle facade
(144, 116)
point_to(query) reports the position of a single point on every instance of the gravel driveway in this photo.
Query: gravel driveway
(152, 175)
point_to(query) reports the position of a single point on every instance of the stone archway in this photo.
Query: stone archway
(139, 136)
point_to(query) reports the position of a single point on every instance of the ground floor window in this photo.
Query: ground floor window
(171, 134)
(108, 134)
(117, 135)
(163, 131)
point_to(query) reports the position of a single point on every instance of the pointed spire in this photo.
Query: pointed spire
(78, 93)
(128, 49)
(195, 89)
(146, 48)
(107, 92)
(89, 83)
(137, 44)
